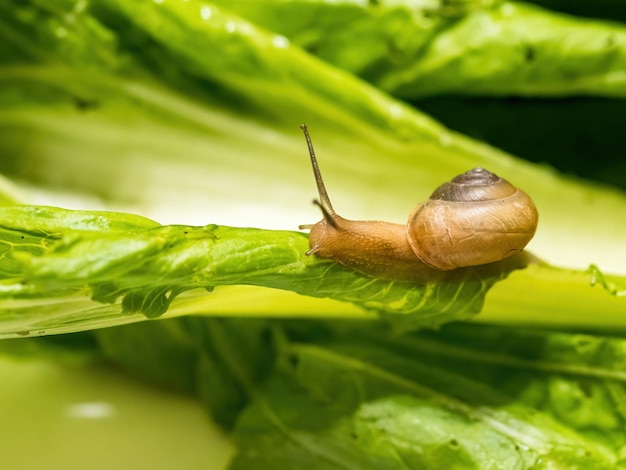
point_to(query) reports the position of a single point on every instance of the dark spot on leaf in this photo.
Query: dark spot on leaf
(610, 40)
(453, 443)
(294, 360)
(22, 237)
(354, 435)
(529, 54)
(22, 333)
(582, 341)
(585, 387)
(83, 104)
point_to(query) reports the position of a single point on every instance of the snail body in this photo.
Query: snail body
(476, 218)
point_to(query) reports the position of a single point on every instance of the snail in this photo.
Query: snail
(476, 218)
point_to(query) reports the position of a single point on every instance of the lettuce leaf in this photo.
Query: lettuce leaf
(136, 265)
(475, 48)
(421, 402)
(351, 394)
(97, 268)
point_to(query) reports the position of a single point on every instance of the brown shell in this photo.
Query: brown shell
(477, 218)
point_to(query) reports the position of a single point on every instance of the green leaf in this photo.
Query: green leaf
(137, 266)
(128, 264)
(357, 398)
(134, 264)
(479, 48)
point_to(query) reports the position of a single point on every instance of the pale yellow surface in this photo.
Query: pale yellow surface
(93, 417)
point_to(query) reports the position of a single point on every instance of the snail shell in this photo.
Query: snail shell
(474, 219)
